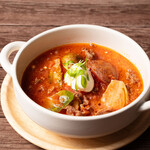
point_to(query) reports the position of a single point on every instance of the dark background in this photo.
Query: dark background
(21, 20)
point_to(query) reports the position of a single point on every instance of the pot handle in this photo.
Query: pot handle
(5, 53)
(145, 106)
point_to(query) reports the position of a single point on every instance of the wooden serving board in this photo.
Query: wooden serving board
(49, 140)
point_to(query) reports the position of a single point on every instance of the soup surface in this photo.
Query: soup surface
(82, 80)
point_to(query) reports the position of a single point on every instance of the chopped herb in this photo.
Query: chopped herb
(67, 64)
(82, 63)
(87, 76)
(72, 72)
(80, 72)
(66, 93)
(83, 81)
(76, 71)
(83, 67)
(56, 109)
(76, 85)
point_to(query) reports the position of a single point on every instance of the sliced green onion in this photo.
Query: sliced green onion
(56, 109)
(76, 85)
(87, 76)
(64, 97)
(71, 72)
(66, 93)
(80, 72)
(67, 64)
(83, 67)
(83, 81)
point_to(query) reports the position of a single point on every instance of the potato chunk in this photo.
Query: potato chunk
(56, 73)
(116, 96)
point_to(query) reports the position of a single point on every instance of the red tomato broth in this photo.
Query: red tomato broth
(37, 86)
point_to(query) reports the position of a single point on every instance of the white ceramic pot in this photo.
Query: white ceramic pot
(74, 126)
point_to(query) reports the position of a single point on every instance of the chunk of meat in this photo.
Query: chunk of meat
(78, 95)
(70, 110)
(76, 104)
(103, 70)
(79, 106)
(81, 98)
(85, 107)
(77, 100)
(89, 53)
(85, 101)
(131, 77)
(115, 97)
(55, 74)
(132, 80)
(85, 111)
